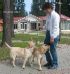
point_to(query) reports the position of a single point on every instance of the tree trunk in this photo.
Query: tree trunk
(6, 23)
(11, 17)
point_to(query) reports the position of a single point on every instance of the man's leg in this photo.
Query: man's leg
(46, 41)
(54, 53)
(48, 58)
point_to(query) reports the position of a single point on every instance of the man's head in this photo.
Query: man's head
(47, 7)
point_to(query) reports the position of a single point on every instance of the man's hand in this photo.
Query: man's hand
(51, 40)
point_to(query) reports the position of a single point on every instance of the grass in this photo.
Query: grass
(0, 35)
(66, 35)
(65, 41)
(4, 52)
(27, 37)
(20, 44)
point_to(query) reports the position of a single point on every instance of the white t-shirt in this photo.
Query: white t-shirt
(52, 23)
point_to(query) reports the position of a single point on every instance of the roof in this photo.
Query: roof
(16, 19)
(63, 17)
(34, 18)
(42, 17)
(29, 18)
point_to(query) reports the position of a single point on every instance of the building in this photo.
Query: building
(65, 24)
(32, 23)
(27, 24)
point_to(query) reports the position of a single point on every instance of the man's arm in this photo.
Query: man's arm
(54, 27)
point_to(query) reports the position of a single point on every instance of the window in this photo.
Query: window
(23, 26)
(69, 26)
(33, 26)
(15, 26)
(65, 25)
(44, 22)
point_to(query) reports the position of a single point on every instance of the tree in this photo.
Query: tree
(65, 7)
(19, 8)
(6, 22)
(11, 17)
(36, 8)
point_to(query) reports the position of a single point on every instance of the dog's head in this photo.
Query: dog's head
(44, 48)
(31, 44)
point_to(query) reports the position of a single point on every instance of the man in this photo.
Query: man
(52, 35)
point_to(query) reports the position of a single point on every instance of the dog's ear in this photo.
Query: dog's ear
(48, 45)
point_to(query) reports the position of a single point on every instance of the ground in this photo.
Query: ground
(63, 52)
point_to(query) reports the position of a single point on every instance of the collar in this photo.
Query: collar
(52, 12)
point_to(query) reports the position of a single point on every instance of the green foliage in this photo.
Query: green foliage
(37, 8)
(20, 11)
(65, 7)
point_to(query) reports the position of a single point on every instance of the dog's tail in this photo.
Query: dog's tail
(8, 45)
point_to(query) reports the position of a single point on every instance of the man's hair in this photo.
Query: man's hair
(47, 5)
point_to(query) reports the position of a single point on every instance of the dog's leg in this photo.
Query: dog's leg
(41, 60)
(31, 61)
(13, 57)
(13, 62)
(39, 63)
(33, 58)
(24, 63)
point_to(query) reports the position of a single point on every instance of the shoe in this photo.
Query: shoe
(46, 65)
(53, 67)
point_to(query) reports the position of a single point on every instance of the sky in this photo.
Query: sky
(28, 5)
